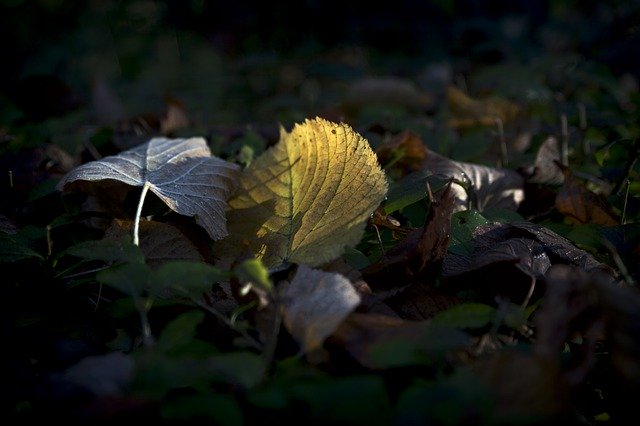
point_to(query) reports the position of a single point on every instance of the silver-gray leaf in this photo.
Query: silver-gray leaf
(181, 172)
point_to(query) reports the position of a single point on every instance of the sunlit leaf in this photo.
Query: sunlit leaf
(307, 198)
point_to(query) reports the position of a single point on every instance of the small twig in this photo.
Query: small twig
(582, 117)
(618, 261)
(11, 179)
(504, 158)
(49, 241)
(272, 341)
(253, 342)
(379, 239)
(623, 221)
(79, 274)
(628, 167)
(92, 149)
(527, 299)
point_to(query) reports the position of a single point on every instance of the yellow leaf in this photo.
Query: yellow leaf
(307, 197)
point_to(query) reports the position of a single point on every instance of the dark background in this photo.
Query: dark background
(51, 37)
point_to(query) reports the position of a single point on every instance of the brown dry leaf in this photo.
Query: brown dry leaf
(569, 307)
(360, 333)
(508, 258)
(599, 310)
(378, 341)
(468, 112)
(419, 255)
(160, 242)
(175, 116)
(581, 205)
(406, 150)
(314, 303)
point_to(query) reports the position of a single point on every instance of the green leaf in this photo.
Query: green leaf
(428, 349)
(180, 331)
(129, 278)
(187, 278)
(14, 248)
(218, 409)
(341, 401)
(462, 226)
(411, 189)
(465, 315)
(253, 271)
(107, 251)
(244, 369)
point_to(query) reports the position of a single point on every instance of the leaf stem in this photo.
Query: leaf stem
(253, 342)
(136, 223)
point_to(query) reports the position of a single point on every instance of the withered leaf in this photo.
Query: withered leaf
(406, 151)
(468, 112)
(556, 248)
(477, 186)
(380, 341)
(181, 172)
(306, 198)
(598, 309)
(545, 169)
(419, 302)
(509, 257)
(419, 255)
(580, 205)
(569, 307)
(314, 303)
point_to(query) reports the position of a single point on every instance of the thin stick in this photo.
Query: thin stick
(142, 308)
(623, 221)
(504, 158)
(92, 149)
(584, 142)
(10, 178)
(527, 299)
(253, 342)
(49, 241)
(136, 223)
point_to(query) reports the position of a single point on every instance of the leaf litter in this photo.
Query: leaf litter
(453, 293)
